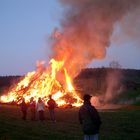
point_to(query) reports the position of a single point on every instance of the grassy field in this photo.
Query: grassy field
(121, 124)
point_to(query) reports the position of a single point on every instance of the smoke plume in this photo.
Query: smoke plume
(113, 80)
(128, 29)
(86, 30)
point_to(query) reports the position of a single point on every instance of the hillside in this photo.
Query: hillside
(111, 85)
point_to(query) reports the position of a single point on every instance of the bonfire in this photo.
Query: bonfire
(44, 82)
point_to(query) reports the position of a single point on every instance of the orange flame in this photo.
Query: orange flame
(42, 83)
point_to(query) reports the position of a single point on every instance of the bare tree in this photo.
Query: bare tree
(114, 64)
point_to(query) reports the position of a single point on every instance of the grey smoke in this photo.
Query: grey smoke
(86, 29)
(113, 80)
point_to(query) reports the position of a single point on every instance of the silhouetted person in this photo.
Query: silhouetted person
(24, 108)
(40, 109)
(89, 119)
(51, 106)
(32, 107)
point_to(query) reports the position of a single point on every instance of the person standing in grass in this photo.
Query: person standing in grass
(32, 106)
(40, 109)
(24, 108)
(51, 106)
(89, 119)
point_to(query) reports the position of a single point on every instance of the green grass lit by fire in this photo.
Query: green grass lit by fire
(119, 125)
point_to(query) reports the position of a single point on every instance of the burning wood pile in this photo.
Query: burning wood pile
(42, 83)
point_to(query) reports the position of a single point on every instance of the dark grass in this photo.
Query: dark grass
(137, 103)
(129, 97)
(131, 94)
(117, 125)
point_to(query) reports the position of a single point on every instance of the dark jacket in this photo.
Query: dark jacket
(89, 118)
(32, 105)
(23, 106)
(51, 104)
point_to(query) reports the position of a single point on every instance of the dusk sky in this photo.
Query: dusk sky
(25, 26)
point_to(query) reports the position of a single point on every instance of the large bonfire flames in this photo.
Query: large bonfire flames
(42, 83)
(85, 34)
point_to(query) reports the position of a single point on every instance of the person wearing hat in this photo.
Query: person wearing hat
(89, 119)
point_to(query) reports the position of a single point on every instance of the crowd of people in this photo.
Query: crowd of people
(37, 109)
(88, 115)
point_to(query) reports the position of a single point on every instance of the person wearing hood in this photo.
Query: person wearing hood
(89, 119)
